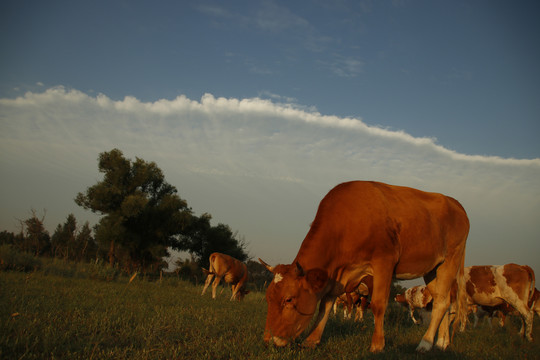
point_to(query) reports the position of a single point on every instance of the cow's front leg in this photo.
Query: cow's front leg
(325, 308)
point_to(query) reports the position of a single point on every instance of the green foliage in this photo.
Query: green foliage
(46, 316)
(68, 242)
(189, 269)
(143, 218)
(13, 259)
(201, 239)
(96, 270)
(259, 276)
(143, 215)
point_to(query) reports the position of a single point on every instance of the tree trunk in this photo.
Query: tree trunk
(111, 253)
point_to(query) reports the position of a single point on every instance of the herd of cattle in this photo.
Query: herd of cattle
(364, 235)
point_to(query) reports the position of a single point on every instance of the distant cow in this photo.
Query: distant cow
(358, 300)
(494, 286)
(503, 310)
(416, 297)
(232, 270)
(490, 312)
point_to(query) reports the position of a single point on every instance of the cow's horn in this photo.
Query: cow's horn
(268, 267)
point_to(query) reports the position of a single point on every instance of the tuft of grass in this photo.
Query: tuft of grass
(49, 316)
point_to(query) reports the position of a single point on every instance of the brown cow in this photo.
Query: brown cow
(493, 286)
(417, 297)
(232, 270)
(368, 228)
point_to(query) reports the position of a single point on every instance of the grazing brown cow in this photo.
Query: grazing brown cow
(493, 286)
(416, 297)
(232, 270)
(368, 228)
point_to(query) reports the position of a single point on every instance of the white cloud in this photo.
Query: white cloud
(272, 17)
(258, 166)
(346, 66)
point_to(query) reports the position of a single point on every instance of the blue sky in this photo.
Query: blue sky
(289, 99)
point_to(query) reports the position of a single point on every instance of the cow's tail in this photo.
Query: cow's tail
(532, 284)
(211, 269)
(461, 299)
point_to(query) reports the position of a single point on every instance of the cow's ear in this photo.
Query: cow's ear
(316, 279)
(268, 267)
(298, 270)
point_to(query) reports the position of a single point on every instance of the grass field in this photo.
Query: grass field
(54, 317)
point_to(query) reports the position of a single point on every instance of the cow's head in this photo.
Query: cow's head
(292, 299)
(400, 298)
(241, 293)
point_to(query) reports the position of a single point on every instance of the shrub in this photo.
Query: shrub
(97, 270)
(13, 259)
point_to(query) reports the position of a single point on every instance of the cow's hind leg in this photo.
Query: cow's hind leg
(234, 289)
(215, 285)
(526, 319)
(440, 291)
(207, 283)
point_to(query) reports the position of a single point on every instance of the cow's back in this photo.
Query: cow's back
(492, 285)
(221, 263)
(520, 278)
(358, 219)
(230, 268)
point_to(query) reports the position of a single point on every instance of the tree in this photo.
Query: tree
(201, 239)
(86, 245)
(8, 238)
(69, 242)
(63, 239)
(258, 274)
(35, 239)
(143, 215)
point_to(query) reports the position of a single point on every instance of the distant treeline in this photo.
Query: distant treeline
(142, 217)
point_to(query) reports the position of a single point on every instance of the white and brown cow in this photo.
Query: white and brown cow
(416, 297)
(503, 310)
(357, 300)
(367, 228)
(493, 286)
(233, 271)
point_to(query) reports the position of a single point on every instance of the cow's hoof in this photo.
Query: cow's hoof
(424, 346)
(309, 344)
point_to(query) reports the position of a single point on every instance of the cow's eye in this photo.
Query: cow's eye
(288, 300)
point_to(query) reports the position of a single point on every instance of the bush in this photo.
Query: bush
(13, 259)
(97, 270)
